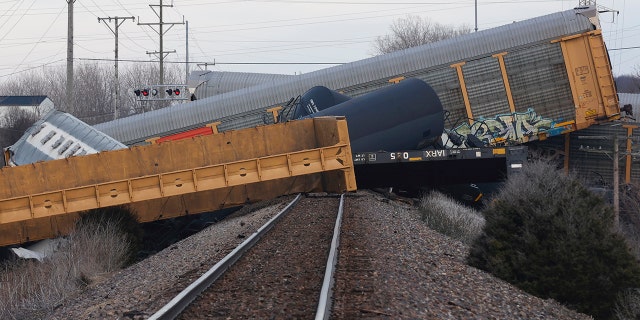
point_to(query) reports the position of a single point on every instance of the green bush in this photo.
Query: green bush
(550, 236)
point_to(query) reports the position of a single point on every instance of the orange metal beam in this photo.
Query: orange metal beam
(505, 80)
(567, 150)
(463, 88)
(627, 172)
(160, 181)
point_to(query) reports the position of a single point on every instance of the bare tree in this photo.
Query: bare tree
(413, 31)
(93, 89)
(13, 124)
(628, 83)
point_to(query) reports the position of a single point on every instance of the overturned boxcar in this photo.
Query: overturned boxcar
(507, 85)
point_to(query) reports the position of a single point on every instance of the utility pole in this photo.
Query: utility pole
(117, 22)
(476, 6)
(615, 157)
(186, 66)
(160, 31)
(69, 104)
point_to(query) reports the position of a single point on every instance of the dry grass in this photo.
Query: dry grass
(30, 289)
(451, 218)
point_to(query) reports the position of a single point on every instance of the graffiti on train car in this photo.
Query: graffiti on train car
(504, 129)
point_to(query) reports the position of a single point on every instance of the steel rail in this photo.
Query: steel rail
(172, 309)
(324, 305)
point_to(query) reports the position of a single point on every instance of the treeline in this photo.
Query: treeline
(93, 92)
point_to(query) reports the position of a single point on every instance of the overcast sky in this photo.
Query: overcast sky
(258, 33)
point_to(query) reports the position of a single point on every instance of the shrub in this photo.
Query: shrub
(104, 241)
(550, 236)
(113, 236)
(450, 218)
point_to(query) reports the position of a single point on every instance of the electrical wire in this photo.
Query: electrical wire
(18, 21)
(202, 35)
(36, 44)
(214, 63)
(28, 69)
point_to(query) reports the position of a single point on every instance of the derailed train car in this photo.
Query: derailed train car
(405, 116)
(396, 139)
(503, 86)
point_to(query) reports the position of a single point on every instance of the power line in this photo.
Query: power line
(28, 69)
(37, 42)
(215, 63)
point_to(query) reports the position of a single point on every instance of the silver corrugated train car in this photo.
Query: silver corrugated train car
(508, 85)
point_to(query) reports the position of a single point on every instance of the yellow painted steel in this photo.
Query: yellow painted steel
(499, 151)
(177, 178)
(214, 126)
(463, 87)
(629, 158)
(274, 112)
(505, 80)
(590, 78)
(567, 150)
(604, 75)
(396, 79)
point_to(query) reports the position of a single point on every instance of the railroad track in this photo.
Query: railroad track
(285, 269)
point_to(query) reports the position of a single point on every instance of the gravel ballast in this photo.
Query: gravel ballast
(411, 271)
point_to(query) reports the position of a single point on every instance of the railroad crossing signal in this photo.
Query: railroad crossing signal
(143, 92)
(173, 92)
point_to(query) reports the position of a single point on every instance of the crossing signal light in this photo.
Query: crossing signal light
(154, 92)
(173, 91)
(143, 92)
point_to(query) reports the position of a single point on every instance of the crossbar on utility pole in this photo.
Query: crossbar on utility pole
(161, 53)
(117, 22)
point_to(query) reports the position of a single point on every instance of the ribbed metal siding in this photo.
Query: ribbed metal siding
(485, 87)
(63, 124)
(353, 78)
(445, 82)
(587, 157)
(538, 80)
(215, 82)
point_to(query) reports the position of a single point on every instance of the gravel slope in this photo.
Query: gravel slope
(416, 272)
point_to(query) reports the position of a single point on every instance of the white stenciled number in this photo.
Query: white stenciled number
(404, 155)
